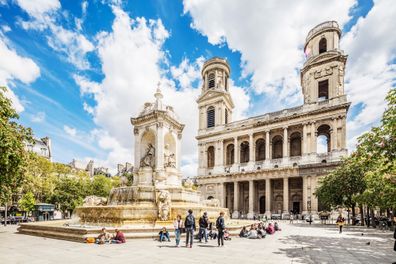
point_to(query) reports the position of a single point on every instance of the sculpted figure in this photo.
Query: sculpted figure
(94, 201)
(148, 158)
(169, 158)
(163, 203)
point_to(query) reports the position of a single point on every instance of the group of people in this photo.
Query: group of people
(259, 230)
(205, 230)
(105, 237)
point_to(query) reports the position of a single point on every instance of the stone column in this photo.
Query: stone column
(343, 133)
(268, 197)
(178, 150)
(267, 145)
(314, 138)
(305, 195)
(285, 141)
(159, 148)
(137, 148)
(333, 134)
(285, 195)
(236, 150)
(235, 214)
(252, 157)
(304, 139)
(251, 200)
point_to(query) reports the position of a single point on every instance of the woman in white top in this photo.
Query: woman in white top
(178, 224)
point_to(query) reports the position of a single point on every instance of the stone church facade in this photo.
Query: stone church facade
(270, 164)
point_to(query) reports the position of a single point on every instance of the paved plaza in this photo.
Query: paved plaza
(297, 243)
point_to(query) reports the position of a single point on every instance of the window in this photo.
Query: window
(211, 117)
(226, 116)
(295, 144)
(211, 157)
(260, 149)
(244, 152)
(211, 81)
(230, 154)
(323, 90)
(322, 45)
(323, 140)
(277, 147)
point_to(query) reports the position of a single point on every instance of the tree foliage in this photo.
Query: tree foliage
(27, 202)
(13, 156)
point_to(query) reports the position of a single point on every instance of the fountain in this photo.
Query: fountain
(156, 196)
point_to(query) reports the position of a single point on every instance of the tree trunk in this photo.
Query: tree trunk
(368, 216)
(353, 215)
(372, 216)
(361, 215)
(5, 215)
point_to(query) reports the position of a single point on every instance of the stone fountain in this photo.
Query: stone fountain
(156, 196)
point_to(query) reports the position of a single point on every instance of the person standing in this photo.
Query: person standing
(203, 225)
(178, 224)
(189, 224)
(220, 225)
(340, 222)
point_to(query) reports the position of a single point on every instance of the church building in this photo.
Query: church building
(270, 164)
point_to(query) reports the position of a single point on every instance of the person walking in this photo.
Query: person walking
(340, 222)
(189, 224)
(203, 226)
(220, 225)
(178, 225)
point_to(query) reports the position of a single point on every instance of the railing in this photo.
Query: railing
(321, 26)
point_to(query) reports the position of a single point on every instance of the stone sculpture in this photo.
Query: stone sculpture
(148, 158)
(94, 201)
(169, 158)
(212, 202)
(163, 203)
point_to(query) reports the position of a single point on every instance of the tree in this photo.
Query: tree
(27, 202)
(101, 186)
(13, 156)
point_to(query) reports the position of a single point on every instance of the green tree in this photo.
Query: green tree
(101, 186)
(27, 202)
(13, 156)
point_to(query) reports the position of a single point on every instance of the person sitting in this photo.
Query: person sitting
(118, 238)
(261, 231)
(227, 235)
(164, 234)
(252, 234)
(104, 237)
(270, 229)
(212, 233)
(244, 232)
(277, 228)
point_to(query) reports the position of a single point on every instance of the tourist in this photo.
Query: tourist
(270, 229)
(291, 217)
(340, 222)
(276, 226)
(227, 235)
(118, 238)
(212, 233)
(163, 234)
(220, 225)
(261, 231)
(178, 224)
(244, 232)
(104, 237)
(189, 224)
(203, 225)
(252, 234)
(394, 236)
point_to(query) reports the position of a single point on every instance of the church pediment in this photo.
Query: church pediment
(210, 94)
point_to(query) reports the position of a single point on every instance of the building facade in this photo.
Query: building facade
(270, 164)
(42, 147)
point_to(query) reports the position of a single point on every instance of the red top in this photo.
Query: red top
(120, 237)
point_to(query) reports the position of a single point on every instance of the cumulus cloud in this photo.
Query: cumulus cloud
(38, 118)
(371, 68)
(71, 131)
(43, 17)
(270, 45)
(15, 67)
(133, 62)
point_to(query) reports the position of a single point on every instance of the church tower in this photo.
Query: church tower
(215, 103)
(322, 76)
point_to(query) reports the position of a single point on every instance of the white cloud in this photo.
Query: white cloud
(15, 67)
(38, 118)
(371, 67)
(5, 28)
(131, 55)
(269, 35)
(89, 109)
(70, 43)
(71, 131)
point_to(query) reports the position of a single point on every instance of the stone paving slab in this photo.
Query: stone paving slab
(298, 243)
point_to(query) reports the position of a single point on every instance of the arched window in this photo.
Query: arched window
(211, 157)
(277, 147)
(226, 116)
(323, 140)
(322, 45)
(230, 154)
(260, 149)
(211, 81)
(211, 116)
(295, 144)
(244, 152)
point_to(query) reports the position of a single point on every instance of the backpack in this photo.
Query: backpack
(189, 221)
(219, 225)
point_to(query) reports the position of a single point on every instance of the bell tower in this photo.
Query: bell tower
(215, 103)
(322, 76)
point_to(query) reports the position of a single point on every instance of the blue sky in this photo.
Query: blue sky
(77, 70)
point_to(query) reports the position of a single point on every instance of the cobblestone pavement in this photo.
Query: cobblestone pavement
(297, 243)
